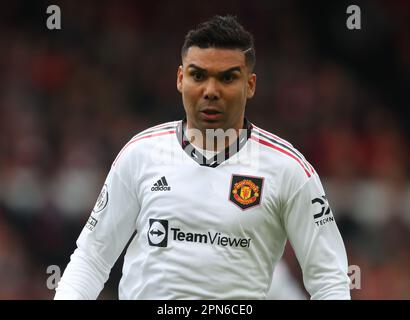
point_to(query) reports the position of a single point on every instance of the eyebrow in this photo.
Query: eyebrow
(237, 68)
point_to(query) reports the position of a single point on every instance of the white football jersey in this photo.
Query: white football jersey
(207, 228)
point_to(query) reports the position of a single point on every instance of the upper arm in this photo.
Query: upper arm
(107, 231)
(113, 219)
(316, 240)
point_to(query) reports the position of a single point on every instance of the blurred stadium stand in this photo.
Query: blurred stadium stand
(71, 98)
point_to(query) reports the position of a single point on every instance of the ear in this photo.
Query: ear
(251, 85)
(180, 75)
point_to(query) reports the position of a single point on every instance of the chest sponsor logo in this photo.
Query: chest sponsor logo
(159, 229)
(158, 233)
(245, 191)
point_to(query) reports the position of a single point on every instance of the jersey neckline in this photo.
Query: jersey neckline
(220, 157)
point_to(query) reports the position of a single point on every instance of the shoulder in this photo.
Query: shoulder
(282, 151)
(143, 139)
(156, 131)
(290, 167)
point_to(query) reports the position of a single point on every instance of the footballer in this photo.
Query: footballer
(207, 203)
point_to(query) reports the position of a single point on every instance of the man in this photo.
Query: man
(208, 213)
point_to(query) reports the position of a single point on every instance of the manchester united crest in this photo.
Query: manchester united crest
(246, 191)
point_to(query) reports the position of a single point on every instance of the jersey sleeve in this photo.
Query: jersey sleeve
(316, 240)
(106, 233)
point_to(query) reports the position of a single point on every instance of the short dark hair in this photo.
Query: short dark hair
(222, 32)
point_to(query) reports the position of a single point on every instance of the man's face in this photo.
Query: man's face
(215, 84)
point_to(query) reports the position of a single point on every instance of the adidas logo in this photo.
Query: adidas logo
(161, 185)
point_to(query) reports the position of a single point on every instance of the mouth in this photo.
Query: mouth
(210, 113)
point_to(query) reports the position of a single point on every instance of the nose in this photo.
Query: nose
(211, 91)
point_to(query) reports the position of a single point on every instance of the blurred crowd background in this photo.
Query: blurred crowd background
(71, 98)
